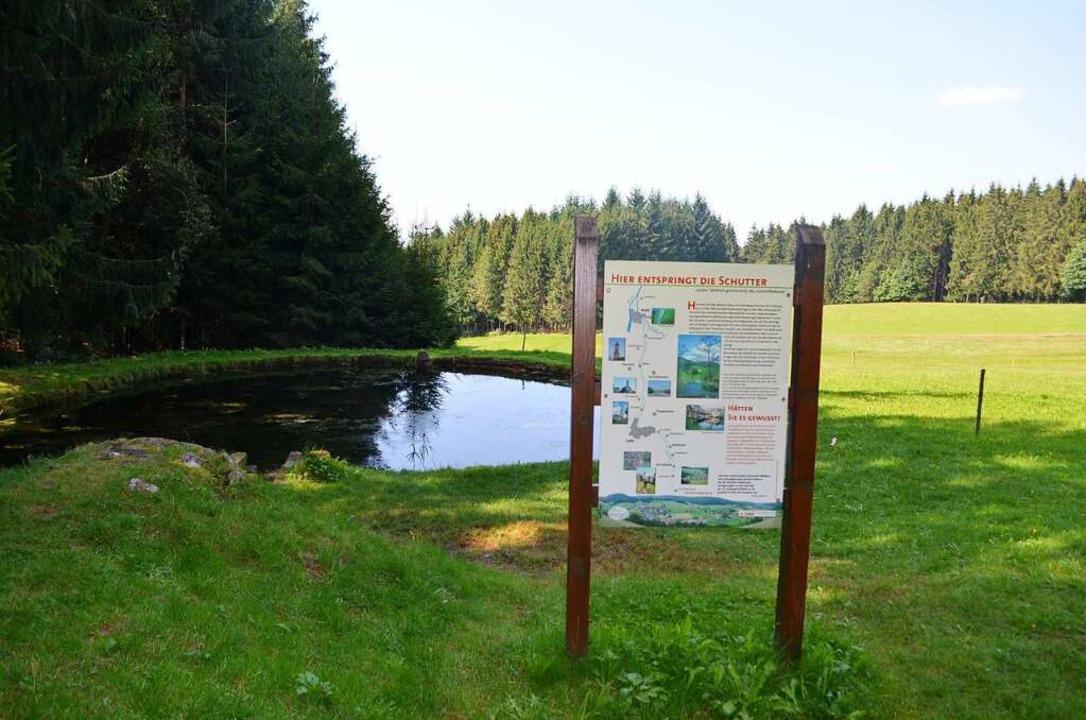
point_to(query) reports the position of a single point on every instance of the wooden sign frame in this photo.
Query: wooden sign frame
(797, 502)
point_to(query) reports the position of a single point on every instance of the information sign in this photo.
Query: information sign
(694, 393)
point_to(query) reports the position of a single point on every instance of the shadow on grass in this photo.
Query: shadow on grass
(960, 557)
(957, 560)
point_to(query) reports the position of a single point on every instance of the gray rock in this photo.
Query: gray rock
(138, 485)
(292, 459)
(190, 460)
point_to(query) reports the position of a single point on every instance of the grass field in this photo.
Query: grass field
(947, 579)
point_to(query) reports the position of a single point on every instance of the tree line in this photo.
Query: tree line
(178, 173)
(1000, 246)
(1015, 245)
(515, 272)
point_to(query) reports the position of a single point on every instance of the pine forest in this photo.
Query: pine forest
(178, 173)
(1002, 245)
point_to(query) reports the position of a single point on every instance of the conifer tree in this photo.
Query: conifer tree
(1073, 275)
(524, 283)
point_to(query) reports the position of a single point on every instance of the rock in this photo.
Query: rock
(236, 473)
(144, 447)
(292, 459)
(138, 485)
(190, 460)
(279, 476)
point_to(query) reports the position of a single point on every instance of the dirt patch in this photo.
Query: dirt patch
(43, 512)
(527, 546)
(312, 565)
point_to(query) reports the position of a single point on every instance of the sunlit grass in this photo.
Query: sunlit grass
(534, 342)
(958, 562)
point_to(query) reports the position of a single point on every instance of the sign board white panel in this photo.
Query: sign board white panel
(695, 393)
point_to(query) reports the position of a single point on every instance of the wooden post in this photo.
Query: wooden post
(584, 388)
(980, 402)
(802, 439)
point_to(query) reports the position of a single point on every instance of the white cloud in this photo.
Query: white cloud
(978, 95)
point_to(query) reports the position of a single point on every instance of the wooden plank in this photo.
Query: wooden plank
(802, 440)
(582, 498)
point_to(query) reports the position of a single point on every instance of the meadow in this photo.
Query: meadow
(947, 575)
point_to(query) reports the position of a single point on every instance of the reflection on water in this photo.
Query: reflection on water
(378, 417)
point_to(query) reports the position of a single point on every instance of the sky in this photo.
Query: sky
(772, 111)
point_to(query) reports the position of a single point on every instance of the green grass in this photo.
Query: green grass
(548, 342)
(957, 563)
(411, 595)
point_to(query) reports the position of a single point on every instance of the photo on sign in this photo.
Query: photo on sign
(702, 417)
(659, 387)
(646, 481)
(616, 348)
(694, 476)
(624, 386)
(620, 412)
(698, 367)
(663, 316)
(633, 459)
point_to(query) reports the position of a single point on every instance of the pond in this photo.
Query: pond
(377, 417)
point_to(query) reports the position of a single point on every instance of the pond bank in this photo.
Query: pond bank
(36, 387)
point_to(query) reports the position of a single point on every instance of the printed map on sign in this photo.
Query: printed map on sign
(695, 391)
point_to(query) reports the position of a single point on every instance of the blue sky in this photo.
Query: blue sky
(772, 111)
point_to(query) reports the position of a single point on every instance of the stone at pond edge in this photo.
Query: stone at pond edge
(237, 465)
(292, 459)
(194, 456)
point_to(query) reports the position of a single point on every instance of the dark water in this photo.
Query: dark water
(376, 417)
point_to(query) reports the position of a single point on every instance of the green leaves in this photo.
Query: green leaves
(308, 684)
(678, 670)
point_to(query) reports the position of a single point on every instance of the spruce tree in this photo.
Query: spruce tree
(524, 282)
(1073, 275)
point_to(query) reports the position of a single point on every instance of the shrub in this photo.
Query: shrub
(320, 467)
